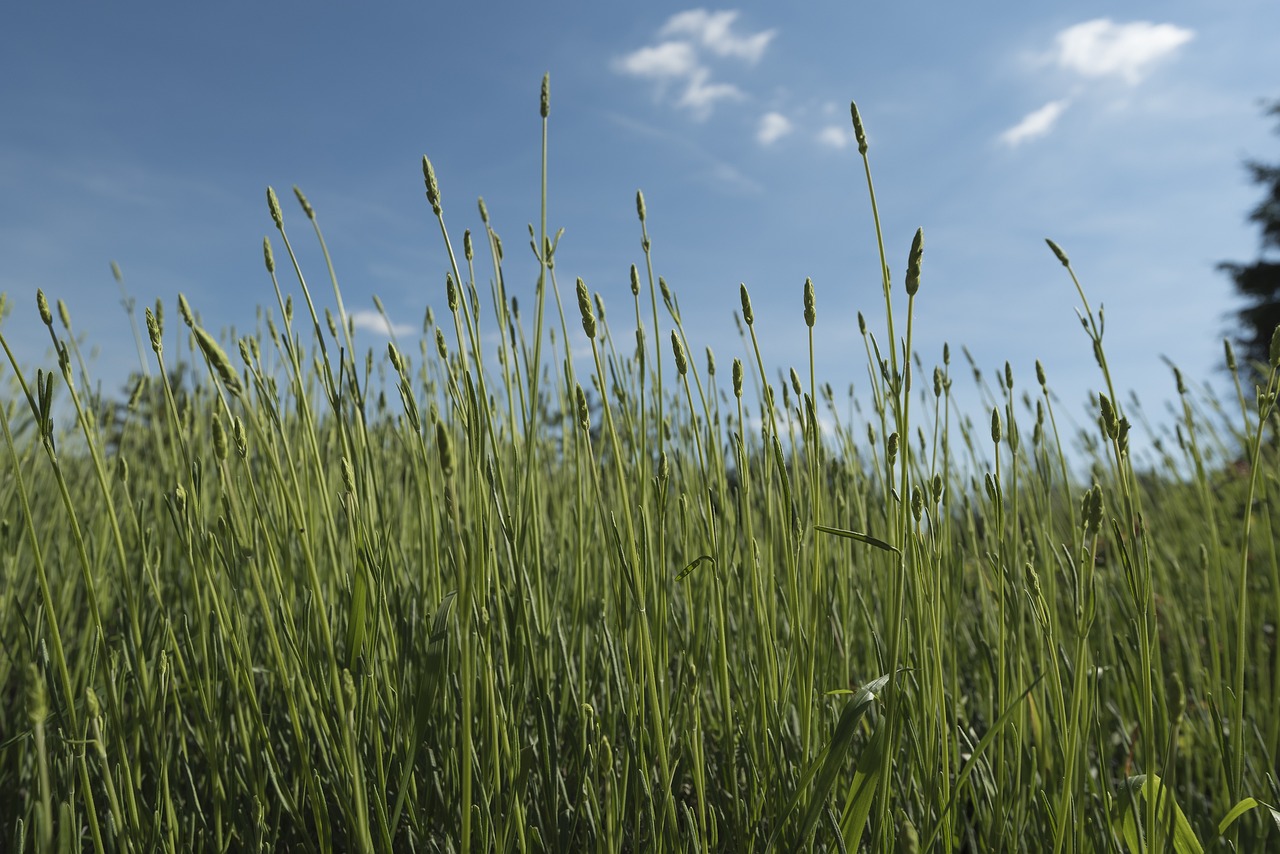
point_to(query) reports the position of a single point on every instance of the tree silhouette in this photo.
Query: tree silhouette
(1259, 282)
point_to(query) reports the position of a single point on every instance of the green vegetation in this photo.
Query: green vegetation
(307, 600)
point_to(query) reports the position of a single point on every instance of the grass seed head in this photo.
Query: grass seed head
(442, 447)
(273, 205)
(92, 705)
(546, 95)
(153, 332)
(42, 303)
(468, 250)
(682, 363)
(306, 205)
(1109, 421)
(914, 261)
(64, 315)
(995, 426)
(267, 255)
(348, 476)
(747, 314)
(219, 359)
(433, 188)
(862, 324)
(1091, 510)
(810, 307)
(1275, 348)
(584, 307)
(859, 133)
(451, 292)
(640, 210)
(1057, 250)
(635, 281)
(584, 413)
(711, 363)
(238, 434)
(184, 311)
(219, 439)
(737, 378)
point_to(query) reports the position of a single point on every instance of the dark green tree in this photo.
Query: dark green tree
(1259, 282)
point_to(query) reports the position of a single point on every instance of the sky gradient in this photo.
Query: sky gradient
(150, 138)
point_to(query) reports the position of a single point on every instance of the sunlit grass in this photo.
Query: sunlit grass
(465, 594)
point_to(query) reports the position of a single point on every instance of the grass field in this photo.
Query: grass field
(449, 597)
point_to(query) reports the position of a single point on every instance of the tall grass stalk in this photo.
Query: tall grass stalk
(466, 593)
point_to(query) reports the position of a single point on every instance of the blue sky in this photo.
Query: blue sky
(149, 137)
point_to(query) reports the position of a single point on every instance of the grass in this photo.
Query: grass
(433, 599)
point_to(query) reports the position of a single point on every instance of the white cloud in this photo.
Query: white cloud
(712, 29)
(669, 59)
(1035, 124)
(773, 127)
(374, 322)
(687, 40)
(834, 136)
(1103, 48)
(700, 95)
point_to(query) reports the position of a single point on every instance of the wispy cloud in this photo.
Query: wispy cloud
(714, 31)
(835, 136)
(372, 321)
(1035, 124)
(1103, 48)
(772, 127)
(669, 59)
(688, 40)
(701, 95)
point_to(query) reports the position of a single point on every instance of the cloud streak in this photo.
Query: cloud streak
(1035, 124)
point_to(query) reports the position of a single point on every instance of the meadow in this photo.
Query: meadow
(454, 597)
